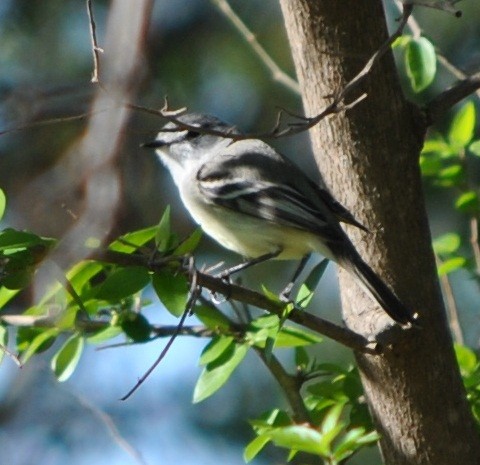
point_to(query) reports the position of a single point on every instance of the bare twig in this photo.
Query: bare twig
(474, 243)
(277, 74)
(451, 305)
(338, 105)
(96, 50)
(111, 427)
(437, 107)
(46, 122)
(11, 355)
(194, 291)
(290, 386)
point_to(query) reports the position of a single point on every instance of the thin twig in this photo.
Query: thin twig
(194, 291)
(277, 74)
(451, 305)
(290, 386)
(11, 355)
(46, 122)
(96, 50)
(107, 420)
(474, 243)
(338, 104)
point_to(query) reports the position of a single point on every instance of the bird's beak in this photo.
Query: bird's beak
(154, 144)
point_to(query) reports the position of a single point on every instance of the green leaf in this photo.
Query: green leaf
(307, 289)
(463, 126)
(189, 244)
(163, 234)
(254, 447)
(31, 341)
(136, 327)
(172, 290)
(122, 283)
(475, 148)
(103, 335)
(300, 438)
(130, 242)
(6, 295)
(467, 202)
(217, 347)
(332, 418)
(446, 244)
(420, 63)
(466, 358)
(270, 295)
(302, 359)
(13, 239)
(216, 374)
(450, 176)
(3, 203)
(290, 336)
(352, 441)
(401, 41)
(430, 164)
(211, 317)
(452, 264)
(437, 145)
(66, 359)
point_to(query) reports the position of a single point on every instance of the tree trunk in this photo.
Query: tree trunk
(368, 157)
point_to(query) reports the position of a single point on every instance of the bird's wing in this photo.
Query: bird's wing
(239, 187)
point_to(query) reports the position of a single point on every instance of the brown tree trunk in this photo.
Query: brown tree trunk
(368, 157)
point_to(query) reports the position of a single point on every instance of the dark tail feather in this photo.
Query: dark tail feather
(380, 291)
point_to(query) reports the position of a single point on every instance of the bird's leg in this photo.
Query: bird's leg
(285, 294)
(225, 274)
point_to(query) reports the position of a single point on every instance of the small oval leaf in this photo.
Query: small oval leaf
(66, 359)
(123, 283)
(420, 63)
(463, 126)
(172, 290)
(446, 244)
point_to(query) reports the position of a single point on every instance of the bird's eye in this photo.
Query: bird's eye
(192, 134)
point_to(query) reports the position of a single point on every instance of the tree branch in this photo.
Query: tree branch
(340, 334)
(447, 99)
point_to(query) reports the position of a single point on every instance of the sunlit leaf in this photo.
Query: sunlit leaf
(189, 244)
(3, 203)
(163, 233)
(420, 63)
(130, 242)
(475, 148)
(307, 289)
(218, 346)
(254, 447)
(300, 438)
(446, 244)
(450, 265)
(463, 126)
(66, 359)
(467, 202)
(466, 358)
(290, 336)
(216, 374)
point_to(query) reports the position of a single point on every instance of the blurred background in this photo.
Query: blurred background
(72, 167)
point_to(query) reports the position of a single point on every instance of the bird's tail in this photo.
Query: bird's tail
(377, 288)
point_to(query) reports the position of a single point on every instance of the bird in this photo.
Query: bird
(256, 202)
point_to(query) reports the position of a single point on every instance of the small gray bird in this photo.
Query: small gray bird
(254, 201)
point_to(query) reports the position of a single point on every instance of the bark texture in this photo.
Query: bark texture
(368, 157)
